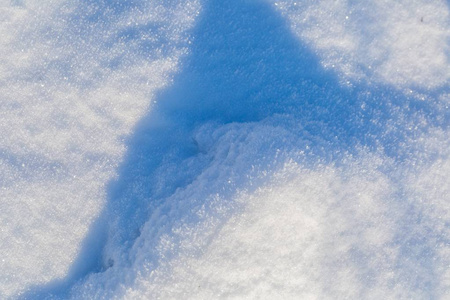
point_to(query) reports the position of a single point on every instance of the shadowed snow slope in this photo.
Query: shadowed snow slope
(257, 171)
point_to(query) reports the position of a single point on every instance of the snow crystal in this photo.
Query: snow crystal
(224, 149)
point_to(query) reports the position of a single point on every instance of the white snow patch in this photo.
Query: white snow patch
(402, 43)
(265, 209)
(72, 87)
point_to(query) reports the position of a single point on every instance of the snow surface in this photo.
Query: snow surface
(224, 149)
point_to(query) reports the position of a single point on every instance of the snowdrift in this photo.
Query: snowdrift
(244, 149)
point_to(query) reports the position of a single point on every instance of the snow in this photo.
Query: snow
(224, 149)
(402, 43)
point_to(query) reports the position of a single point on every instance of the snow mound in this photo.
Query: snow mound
(213, 149)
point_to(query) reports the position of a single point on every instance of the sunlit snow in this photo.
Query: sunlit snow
(204, 149)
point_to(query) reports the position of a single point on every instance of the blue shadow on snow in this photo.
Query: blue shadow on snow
(244, 65)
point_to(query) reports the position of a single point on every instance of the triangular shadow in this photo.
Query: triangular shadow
(244, 65)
